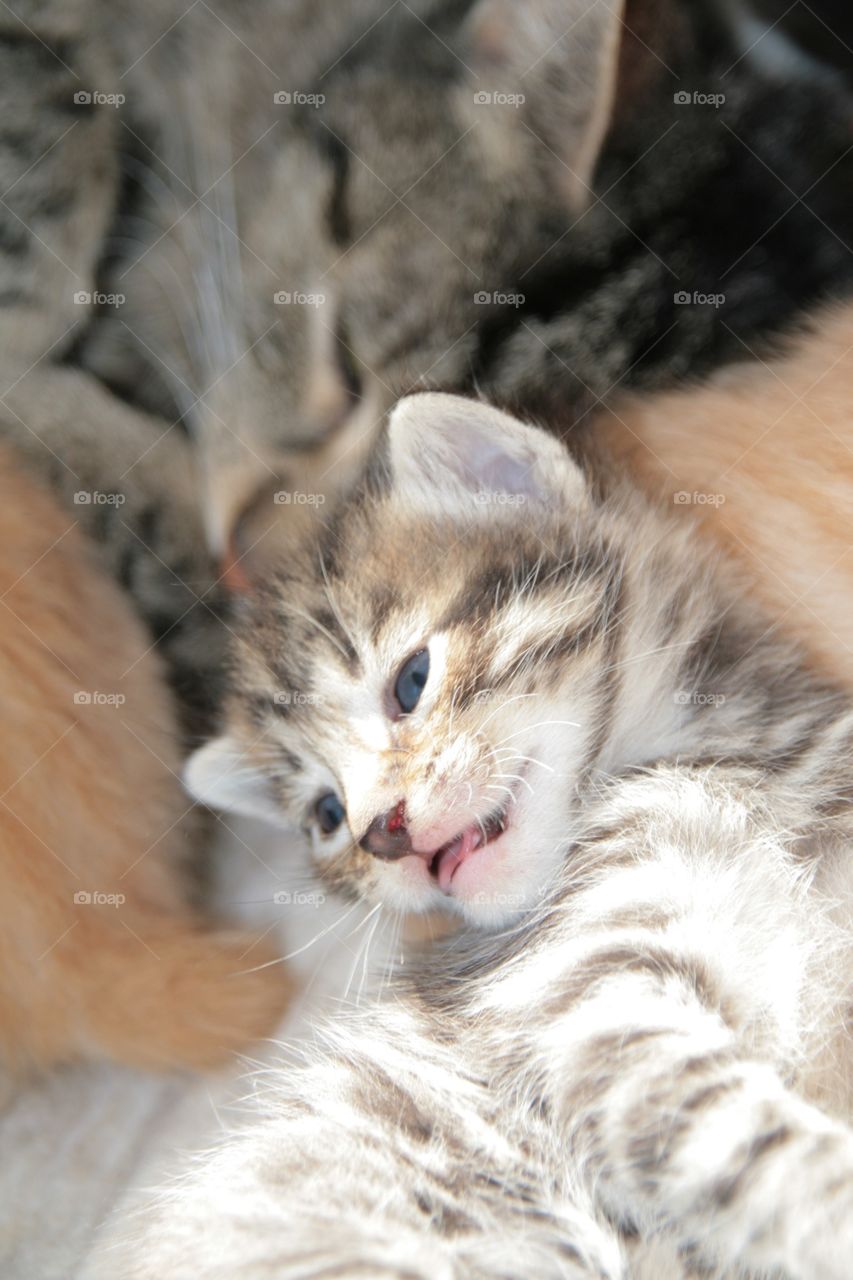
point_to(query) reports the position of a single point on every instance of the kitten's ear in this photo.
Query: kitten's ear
(464, 457)
(219, 775)
(549, 65)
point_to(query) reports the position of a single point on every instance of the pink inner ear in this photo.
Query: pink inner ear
(443, 445)
(486, 467)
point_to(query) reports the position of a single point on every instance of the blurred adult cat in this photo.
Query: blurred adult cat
(100, 951)
(321, 208)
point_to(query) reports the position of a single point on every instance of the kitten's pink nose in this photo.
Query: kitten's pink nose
(387, 836)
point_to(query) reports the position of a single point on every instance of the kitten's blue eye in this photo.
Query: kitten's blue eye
(329, 812)
(411, 681)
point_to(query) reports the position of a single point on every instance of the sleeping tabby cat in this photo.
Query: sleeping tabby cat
(548, 709)
(583, 198)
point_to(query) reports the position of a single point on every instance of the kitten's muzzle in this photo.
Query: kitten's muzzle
(387, 836)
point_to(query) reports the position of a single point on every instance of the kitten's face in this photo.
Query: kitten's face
(422, 691)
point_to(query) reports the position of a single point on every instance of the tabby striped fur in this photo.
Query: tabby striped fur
(644, 1067)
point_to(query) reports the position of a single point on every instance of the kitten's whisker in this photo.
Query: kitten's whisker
(516, 777)
(500, 786)
(516, 698)
(298, 952)
(649, 653)
(453, 697)
(364, 967)
(306, 617)
(371, 913)
(391, 953)
(360, 953)
(529, 728)
(333, 603)
(531, 759)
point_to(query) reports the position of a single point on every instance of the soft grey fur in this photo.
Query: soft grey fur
(390, 192)
(646, 1069)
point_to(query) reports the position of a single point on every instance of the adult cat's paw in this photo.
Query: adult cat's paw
(231, 994)
(187, 997)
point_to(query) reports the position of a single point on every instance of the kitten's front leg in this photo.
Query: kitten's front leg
(683, 982)
(381, 1160)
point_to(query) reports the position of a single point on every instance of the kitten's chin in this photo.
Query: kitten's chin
(510, 874)
(490, 888)
(497, 883)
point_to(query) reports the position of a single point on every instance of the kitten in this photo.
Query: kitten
(556, 714)
(100, 953)
(763, 454)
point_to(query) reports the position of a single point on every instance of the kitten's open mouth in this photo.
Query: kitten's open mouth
(447, 860)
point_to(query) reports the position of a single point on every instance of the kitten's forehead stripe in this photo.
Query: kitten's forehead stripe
(331, 625)
(380, 604)
(500, 585)
(482, 596)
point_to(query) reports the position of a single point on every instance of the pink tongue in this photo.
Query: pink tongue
(455, 854)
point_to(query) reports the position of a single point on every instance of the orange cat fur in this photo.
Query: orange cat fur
(763, 451)
(99, 953)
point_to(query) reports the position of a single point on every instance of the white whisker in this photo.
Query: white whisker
(529, 728)
(298, 952)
